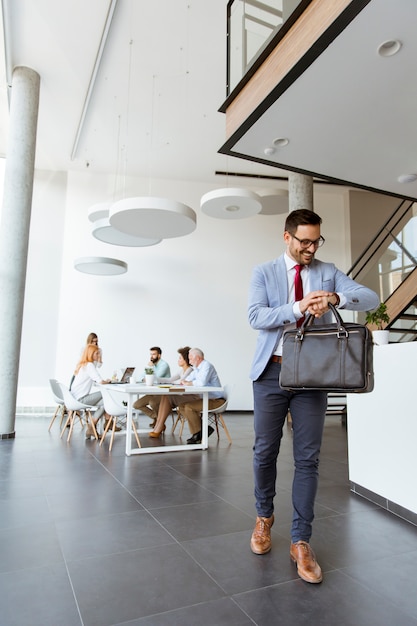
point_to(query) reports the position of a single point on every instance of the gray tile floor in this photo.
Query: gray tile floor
(100, 539)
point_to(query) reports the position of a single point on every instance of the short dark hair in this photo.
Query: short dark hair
(301, 217)
(158, 350)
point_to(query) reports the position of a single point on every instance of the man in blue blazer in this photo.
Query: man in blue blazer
(272, 309)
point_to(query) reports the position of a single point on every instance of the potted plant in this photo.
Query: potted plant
(378, 318)
(149, 376)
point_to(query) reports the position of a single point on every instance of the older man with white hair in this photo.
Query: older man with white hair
(203, 375)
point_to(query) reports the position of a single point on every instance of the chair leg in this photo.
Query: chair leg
(54, 416)
(106, 428)
(89, 419)
(178, 418)
(182, 420)
(71, 416)
(67, 421)
(80, 417)
(63, 411)
(112, 433)
(222, 422)
(136, 434)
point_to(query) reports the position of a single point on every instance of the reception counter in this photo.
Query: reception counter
(382, 433)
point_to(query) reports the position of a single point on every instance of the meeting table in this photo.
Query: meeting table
(132, 391)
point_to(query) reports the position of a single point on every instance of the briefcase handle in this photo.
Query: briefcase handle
(309, 321)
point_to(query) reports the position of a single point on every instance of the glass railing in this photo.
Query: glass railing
(251, 25)
(386, 262)
(391, 254)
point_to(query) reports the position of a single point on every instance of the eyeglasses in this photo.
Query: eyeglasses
(306, 243)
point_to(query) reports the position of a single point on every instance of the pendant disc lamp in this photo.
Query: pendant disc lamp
(232, 203)
(152, 217)
(100, 266)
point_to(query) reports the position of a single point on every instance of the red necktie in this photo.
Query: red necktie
(298, 288)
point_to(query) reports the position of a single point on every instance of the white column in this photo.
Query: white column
(14, 234)
(300, 192)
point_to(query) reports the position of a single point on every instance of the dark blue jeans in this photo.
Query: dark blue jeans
(308, 410)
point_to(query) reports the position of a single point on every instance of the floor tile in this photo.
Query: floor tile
(337, 600)
(206, 519)
(122, 587)
(110, 534)
(40, 596)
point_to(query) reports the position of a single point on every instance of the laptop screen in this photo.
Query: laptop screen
(127, 374)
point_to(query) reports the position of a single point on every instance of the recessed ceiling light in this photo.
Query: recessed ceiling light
(389, 48)
(280, 142)
(269, 151)
(407, 178)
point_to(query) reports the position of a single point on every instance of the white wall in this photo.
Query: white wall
(382, 428)
(189, 290)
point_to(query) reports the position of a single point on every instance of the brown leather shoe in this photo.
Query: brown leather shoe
(307, 567)
(260, 542)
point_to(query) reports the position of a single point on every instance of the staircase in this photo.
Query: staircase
(389, 266)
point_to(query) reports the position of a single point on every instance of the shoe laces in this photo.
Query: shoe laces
(306, 548)
(262, 526)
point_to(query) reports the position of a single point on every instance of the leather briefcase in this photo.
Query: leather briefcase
(328, 357)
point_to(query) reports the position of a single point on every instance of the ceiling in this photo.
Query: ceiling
(153, 107)
(351, 115)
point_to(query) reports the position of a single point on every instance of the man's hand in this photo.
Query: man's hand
(317, 302)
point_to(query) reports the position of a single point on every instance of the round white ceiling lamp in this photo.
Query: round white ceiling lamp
(104, 231)
(99, 211)
(231, 203)
(152, 218)
(407, 178)
(100, 266)
(276, 203)
(389, 48)
(281, 142)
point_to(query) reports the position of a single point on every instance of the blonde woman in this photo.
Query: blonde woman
(93, 339)
(85, 374)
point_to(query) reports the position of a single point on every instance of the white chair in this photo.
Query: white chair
(76, 409)
(215, 416)
(115, 409)
(59, 399)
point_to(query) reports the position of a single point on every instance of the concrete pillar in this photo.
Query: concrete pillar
(300, 192)
(14, 235)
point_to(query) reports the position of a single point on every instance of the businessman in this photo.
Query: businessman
(282, 291)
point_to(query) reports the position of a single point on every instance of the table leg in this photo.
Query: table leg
(204, 421)
(129, 424)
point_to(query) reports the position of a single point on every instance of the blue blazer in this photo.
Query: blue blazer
(269, 310)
